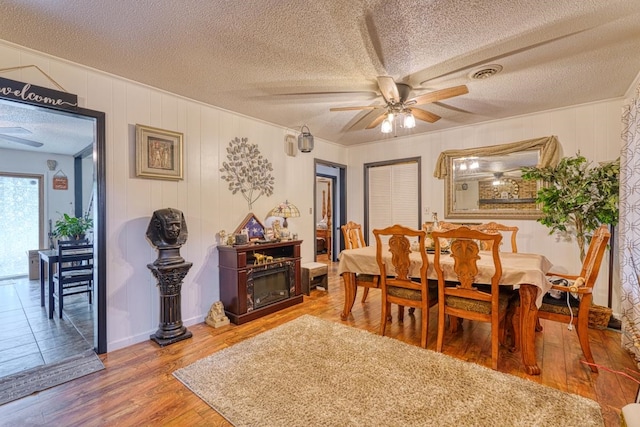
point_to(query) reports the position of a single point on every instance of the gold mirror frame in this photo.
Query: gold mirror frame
(486, 182)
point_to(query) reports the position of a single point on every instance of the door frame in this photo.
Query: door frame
(339, 193)
(99, 216)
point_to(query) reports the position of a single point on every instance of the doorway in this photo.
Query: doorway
(330, 209)
(20, 127)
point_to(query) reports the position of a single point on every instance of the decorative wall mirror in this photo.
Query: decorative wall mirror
(487, 182)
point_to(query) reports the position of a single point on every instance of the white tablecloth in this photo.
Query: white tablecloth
(517, 268)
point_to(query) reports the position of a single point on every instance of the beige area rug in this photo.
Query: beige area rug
(312, 372)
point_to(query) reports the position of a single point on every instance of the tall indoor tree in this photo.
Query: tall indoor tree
(577, 197)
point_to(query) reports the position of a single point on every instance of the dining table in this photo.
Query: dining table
(50, 258)
(523, 271)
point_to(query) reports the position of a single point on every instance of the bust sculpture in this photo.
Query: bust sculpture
(167, 231)
(167, 228)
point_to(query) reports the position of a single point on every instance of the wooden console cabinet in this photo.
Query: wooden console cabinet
(244, 289)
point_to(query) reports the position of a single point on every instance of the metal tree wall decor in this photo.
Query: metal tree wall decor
(247, 171)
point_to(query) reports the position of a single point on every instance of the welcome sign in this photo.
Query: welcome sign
(37, 95)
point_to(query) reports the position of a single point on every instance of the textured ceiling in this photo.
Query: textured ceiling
(283, 61)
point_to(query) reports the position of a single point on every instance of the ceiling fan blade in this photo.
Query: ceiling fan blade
(360, 121)
(330, 92)
(368, 107)
(21, 140)
(438, 95)
(388, 89)
(423, 115)
(376, 121)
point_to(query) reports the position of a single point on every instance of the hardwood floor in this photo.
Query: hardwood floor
(137, 386)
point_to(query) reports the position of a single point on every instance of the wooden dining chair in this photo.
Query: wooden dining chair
(489, 227)
(353, 238)
(400, 282)
(572, 311)
(464, 298)
(494, 227)
(75, 271)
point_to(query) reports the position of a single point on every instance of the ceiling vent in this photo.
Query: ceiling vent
(485, 72)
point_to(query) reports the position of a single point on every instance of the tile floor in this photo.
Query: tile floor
(28, 338)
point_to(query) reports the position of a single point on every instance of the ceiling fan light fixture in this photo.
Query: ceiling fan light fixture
(409, 121)
(387, 125)
(305, 140)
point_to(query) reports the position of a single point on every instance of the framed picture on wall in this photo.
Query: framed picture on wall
(158, 153)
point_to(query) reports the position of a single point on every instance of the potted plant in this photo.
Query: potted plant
(72, 227)
(577, 197)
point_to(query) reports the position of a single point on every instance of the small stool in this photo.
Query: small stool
(314, 274)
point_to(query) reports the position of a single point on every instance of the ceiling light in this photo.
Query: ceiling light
(498, 180)
(387, 126)
(305, 140)
(474, 165)
(463, 166)
(409, 121)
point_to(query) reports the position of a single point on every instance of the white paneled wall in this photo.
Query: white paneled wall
(591, 129)
(132, 305)
(132, 297)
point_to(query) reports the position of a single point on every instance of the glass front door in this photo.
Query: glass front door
(21, 219)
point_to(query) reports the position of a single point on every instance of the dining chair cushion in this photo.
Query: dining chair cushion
(411, 293)
(366, 277)
(553, 305)
(483, 307)
(558, 309)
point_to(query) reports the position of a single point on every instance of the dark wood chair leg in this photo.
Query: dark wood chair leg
(365, 292)
(60, 299)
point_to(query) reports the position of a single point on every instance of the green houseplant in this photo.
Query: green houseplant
(577, 197)
(72, 227)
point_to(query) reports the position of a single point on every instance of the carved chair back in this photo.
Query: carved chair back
(402, 282)
(466, 299)
(494, 227)
(353, 237)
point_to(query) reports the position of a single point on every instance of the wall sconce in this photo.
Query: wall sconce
(305, 140)
(51, 164)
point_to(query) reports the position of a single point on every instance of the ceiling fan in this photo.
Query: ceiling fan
(397, 103)
(4, 131)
